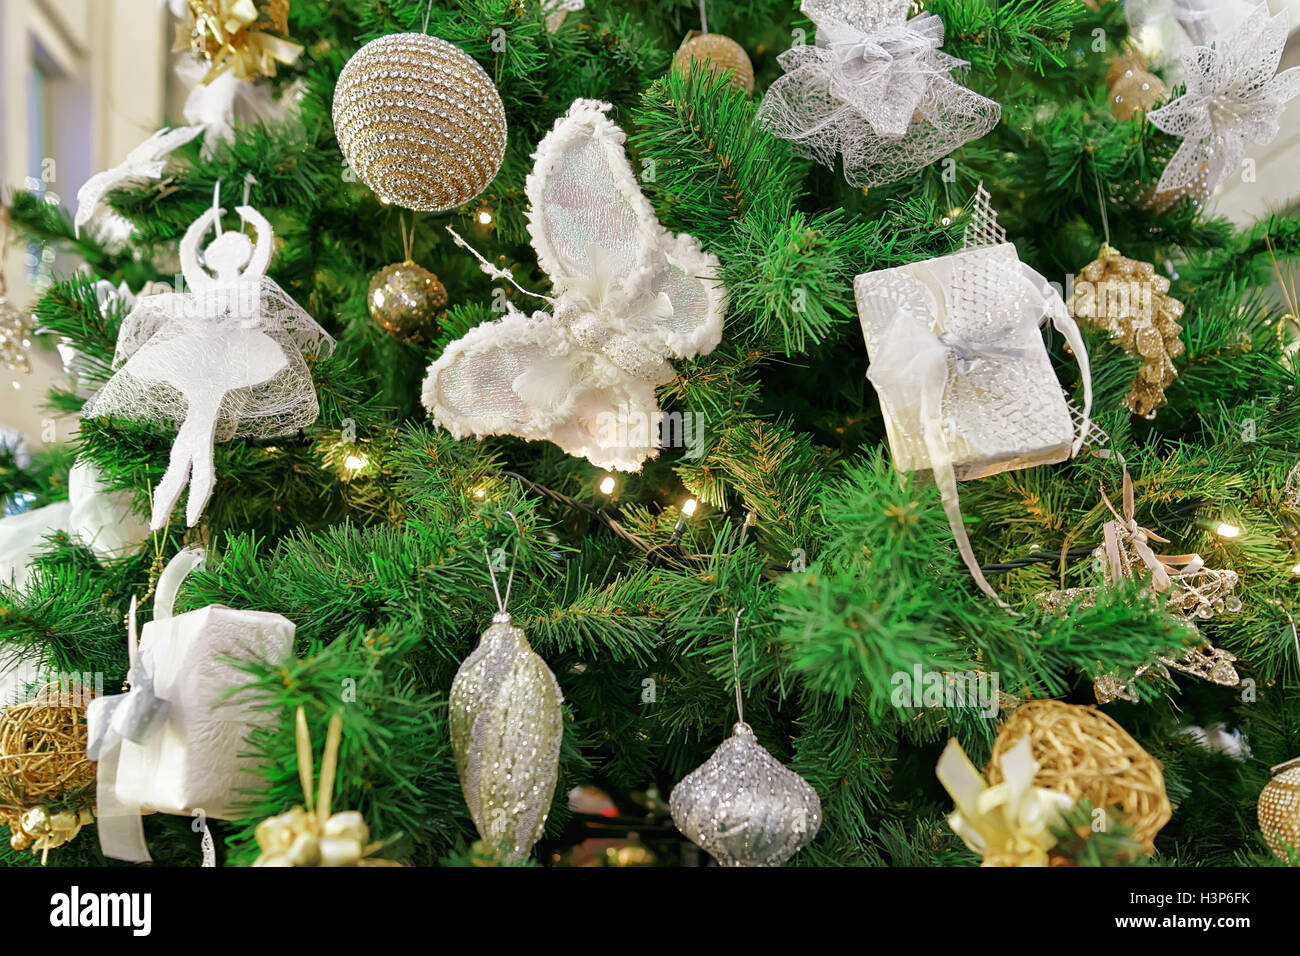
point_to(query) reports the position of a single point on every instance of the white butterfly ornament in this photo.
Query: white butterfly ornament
(629, 295)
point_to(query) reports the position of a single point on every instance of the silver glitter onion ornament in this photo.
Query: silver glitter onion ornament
(506, 727)
(419, 121)
(742, 805)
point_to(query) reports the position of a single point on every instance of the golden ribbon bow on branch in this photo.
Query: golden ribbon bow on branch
(1125, 530)
(312, 836)
(232, 35)
(1010, 823)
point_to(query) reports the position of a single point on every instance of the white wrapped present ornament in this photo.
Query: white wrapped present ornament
(965, 383)
(177, 743)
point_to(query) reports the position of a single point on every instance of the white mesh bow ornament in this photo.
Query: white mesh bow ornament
(1232, 97)
(628, 296)
(876, 89)
(224, 360)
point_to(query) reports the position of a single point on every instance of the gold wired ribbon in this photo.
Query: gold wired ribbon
(232, 36)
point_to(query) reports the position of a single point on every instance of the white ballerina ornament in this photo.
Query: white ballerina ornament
(224, 359)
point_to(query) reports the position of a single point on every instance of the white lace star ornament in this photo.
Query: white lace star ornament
(1232, 98)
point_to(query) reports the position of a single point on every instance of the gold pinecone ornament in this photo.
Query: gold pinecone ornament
(717, 54)
(47, 784)
(419, 121)
(405, 300)
(1279, 811)
(1126, 298)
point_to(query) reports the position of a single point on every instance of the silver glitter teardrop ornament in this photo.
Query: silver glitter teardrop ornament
(744, 807)
(420, 122)
(505, 730)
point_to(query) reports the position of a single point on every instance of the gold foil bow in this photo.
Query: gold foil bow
(1009, 824)
(232, 35)
(1125, 530)
(312, 836)
(44, 831)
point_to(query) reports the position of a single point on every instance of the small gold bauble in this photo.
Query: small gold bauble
(1083, 752)
(15, 332)
(419, 121)
(717, 54)
(1133, 88)
(1279, 811)
(405, 300)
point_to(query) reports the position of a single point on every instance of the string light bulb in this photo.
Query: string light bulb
(607, 485)
(355, 462)
(1296, 569)
(689, 507)
(485, 217)
(1226, 530)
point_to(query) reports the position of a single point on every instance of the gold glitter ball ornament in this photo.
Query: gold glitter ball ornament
(1133, 89)
(419, 121)
(717, 54)
(14, 341)
(1126, 298)
(1083, 752)
(1279, 811)
(506, 726)
(405, 300)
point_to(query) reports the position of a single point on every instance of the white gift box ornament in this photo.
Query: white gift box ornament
(177, 742)
(965, 383)
(223, 360)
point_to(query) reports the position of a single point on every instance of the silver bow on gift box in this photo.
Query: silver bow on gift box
(133, 716)
(875, 88)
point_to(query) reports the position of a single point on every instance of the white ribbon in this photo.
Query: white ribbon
(912, 359)
(110, 720)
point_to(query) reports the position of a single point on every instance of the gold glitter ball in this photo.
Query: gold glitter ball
(419, 121)
(1133, 89)
(405, 300)
(717, 54)
(1279, 811)
(14, 342)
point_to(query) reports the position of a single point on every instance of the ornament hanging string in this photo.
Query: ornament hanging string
(514, 560)
(704, 19)
(735, 630)
(1101, 204)
(408, 237)
(428, 11)
(492, 270)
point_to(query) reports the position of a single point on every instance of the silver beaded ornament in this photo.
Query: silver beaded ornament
(419, 121)
(506, 726)
(742, 805)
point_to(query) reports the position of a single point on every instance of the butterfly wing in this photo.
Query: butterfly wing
(598, 238)
(523, 376)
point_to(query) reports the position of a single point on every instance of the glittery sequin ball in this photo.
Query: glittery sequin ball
(419, 121)
(1279, 811)
(717, 54)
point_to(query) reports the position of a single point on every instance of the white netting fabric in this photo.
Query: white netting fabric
(1232, 98)
(875, 89)
(629, 295)
(1163, 29)
(223, 360)
(146, 162)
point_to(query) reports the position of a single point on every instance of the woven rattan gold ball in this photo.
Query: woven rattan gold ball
(419, 121)
(1279, 812)
(717, 54)
(405, 300)
(43, 752)
(1084, 753)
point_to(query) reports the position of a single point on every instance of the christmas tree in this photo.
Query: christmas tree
(754, 516)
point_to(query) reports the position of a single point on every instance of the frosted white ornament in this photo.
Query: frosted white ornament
(144, 163)
(629, 295)
(875, 89)
(224, 360)
(25, 535)
(1232, 98)
(178, 741)
(965, 383)
(228, 100)
(102, 520)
